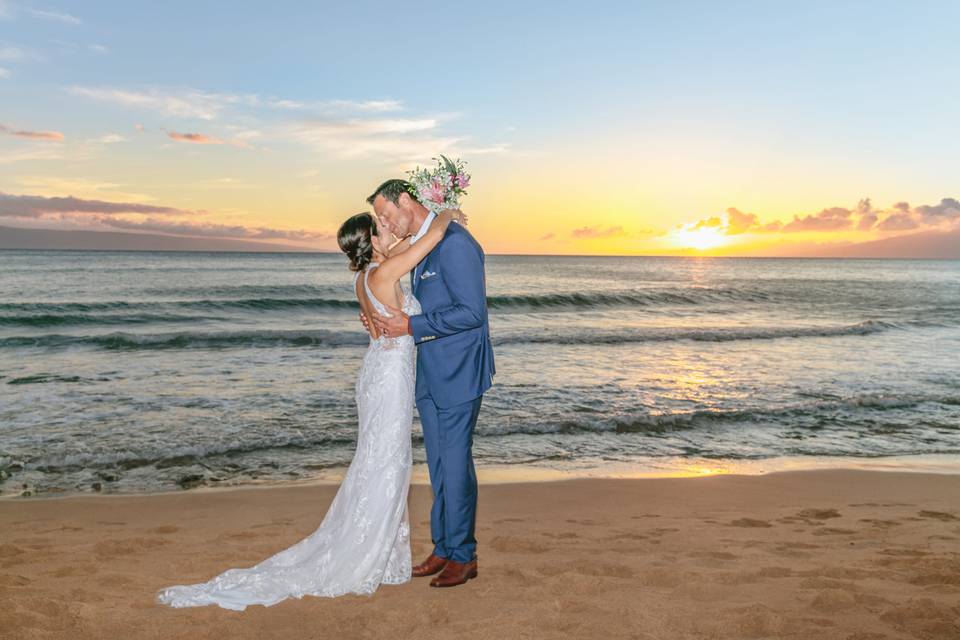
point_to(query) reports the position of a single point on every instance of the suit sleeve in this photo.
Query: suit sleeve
(463, 276)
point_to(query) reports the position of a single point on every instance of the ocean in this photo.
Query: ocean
(125, 372)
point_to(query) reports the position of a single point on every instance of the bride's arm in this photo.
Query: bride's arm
(399, 246)
(396, 265)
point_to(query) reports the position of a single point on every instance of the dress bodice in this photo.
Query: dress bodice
(410, 305)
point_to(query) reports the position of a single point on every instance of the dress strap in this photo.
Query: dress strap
(379, 306)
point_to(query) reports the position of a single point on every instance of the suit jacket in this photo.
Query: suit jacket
(452, 334)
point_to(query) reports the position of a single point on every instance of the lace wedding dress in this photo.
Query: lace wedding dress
(364, 538)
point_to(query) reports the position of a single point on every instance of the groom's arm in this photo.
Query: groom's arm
(462, 264)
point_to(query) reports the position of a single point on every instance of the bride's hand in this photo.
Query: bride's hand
(456, 215)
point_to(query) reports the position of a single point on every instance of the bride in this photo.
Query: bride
(364, 538)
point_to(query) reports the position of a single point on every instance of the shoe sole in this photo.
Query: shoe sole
(472, 574)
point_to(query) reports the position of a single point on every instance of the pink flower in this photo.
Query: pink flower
(436, 192)
(463, 180)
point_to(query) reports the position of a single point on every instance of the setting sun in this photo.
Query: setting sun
(702, 238)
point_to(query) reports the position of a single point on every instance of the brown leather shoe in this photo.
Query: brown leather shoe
(455, 573)
(430, 566)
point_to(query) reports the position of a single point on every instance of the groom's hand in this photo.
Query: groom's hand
(396, 325)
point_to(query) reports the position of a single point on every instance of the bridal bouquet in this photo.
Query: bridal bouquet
(440, 188)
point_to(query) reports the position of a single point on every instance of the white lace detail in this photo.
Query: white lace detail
(364, 538)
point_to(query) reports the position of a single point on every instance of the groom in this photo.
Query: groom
(454, 369)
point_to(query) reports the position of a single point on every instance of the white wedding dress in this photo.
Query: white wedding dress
(364, 538)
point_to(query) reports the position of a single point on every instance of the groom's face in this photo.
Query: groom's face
(395, 217)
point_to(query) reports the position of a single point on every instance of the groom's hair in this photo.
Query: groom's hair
(391, 190)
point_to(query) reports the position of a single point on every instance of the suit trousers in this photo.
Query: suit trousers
(448, 438)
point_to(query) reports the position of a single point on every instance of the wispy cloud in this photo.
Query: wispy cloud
(10, 52)
(30, 206)
(53, 136)
(205, 105)
(158, 219)
(5, 73)
(185, 104)
(56, 16)
(110, 138)
(47, 185)
(46, 152)
(598, 232)
(99, 48)
(194, 138)
(200, 138)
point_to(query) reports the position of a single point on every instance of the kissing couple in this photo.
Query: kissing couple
(430, 343)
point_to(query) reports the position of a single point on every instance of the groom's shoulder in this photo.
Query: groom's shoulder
(458, 235)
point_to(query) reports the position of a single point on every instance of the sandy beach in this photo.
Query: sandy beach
(844, 554)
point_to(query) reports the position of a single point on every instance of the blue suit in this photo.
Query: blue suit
(454, 368)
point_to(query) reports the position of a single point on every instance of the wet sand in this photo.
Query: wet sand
(845, 554)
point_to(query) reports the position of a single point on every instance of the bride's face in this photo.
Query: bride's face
(382, 241)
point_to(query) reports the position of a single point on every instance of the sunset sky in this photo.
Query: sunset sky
(735, 128)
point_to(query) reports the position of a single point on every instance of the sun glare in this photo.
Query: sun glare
(700, 239)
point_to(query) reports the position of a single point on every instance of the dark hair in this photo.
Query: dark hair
(355, 238)
(391, 190)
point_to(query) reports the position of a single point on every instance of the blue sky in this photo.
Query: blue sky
(652, 115)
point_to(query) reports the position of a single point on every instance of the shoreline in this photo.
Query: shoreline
(495, 474)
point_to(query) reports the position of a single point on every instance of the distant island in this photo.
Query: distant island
(934, 245)
(19, 238)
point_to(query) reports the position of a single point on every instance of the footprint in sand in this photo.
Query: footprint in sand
(587, 568)
(749, 522)
(818, 514)
(938, 515)
(8, 580)
(831, 531)
(882, 524)
(924, 618)
(565, 535)
(508, 544)
(167, 528)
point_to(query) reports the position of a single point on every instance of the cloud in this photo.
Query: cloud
(99, 48)
(185, 104)
(597, 232)
(900, 221)
(56, 16)
(213, 230)
(110, 138)
(84, 188)
(832, 219)
(549, 236)
(47, 152)
(200, 138)
(405, 140)
(194, 138)
(204, 105)
(947, 211)
(10, 53)
(5, 73)
(54, 136)
(98, 213)
(29, 206)
(864, 217)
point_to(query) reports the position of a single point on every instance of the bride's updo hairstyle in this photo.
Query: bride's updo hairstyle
(355, 238)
